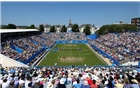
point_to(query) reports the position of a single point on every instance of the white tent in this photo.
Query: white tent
(17, 30)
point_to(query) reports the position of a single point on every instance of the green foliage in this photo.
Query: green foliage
(75, 28)
(4, 27)
(52, 29)
(31, 27)
(41, 28)
(87, 30)
(9, 26)
(12, 26)
(115, 28)
(64, 29)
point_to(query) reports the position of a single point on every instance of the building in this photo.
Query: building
(92, 28)
(121, 22)
(58, 27)
(136, 21)
(47, 27)
(69, 27)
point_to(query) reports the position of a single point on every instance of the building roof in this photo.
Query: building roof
(17, 30)
(47, 25)
(90, 25)
(70, 26)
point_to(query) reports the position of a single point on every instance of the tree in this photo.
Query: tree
(75, 28)
(97, 32)
(103, 30)
(28, 27)
(116, 28)
(52, 29)
(32, 26)
(64, 29)
(41, 28)
(87, 30)
(4, 27)
(132, 27)
(11, 26)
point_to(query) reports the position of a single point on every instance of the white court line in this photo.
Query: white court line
(70, 51)
(59, 57)
(82, 53)
(59, 53)
(62, 51)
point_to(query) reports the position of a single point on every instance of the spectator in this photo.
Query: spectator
(118, 84)
(138, 79)
(93, 85)
(36, 85)
(61, 84)
(81, 80)
(126, 84)
(89, 80)
(41, 85)
(85, 85)
(110, 82)
(51, 85)
(5, 84)
(11, 84)
(102, 84)
(77, 85)
(21, 86)
(28, 83)
(134, 84)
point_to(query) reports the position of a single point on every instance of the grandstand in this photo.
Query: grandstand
(30, 46)
(33, 59)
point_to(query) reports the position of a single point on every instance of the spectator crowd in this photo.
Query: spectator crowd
(31, 42)
(121, 46)
(69, 77)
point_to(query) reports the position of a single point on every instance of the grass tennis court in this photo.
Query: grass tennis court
(71, 54)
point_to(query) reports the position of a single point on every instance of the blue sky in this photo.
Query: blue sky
(98, 13)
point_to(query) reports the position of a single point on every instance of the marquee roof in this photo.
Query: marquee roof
(17, 30)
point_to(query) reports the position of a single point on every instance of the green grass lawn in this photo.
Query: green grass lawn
(68, 54)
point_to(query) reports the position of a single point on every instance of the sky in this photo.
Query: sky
(97, 13)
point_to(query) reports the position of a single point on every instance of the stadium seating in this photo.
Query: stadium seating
(115, 46)
(121, 46)
(26, 47)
